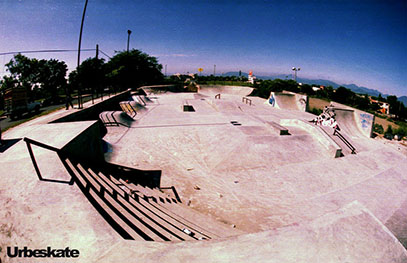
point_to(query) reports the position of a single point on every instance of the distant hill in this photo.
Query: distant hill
(352, 87)
(403, 99)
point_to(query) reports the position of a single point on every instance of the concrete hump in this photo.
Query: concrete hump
(350, 234)
(288, 101)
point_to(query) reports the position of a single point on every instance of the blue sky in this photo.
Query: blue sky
(362, 41)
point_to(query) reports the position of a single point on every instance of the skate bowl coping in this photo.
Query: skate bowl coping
(288, 101)
(219, 89)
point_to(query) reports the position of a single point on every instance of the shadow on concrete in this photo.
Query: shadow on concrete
(6, 144)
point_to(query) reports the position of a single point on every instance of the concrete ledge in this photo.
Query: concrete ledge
(277, 127)
(317, 133)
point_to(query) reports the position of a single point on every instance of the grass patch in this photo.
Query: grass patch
(316, 111)
(32, 118)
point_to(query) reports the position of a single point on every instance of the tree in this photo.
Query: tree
(90, 76)
(307, 89)
(343, 95)
(264, 88)
(362, 103)
(23, 72)
(389, 130)
(395, 106)
(133, 69)
(7, 83)
(41, 77)
(51, 76)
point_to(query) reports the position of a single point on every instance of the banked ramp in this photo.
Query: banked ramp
(288, 101)
(230, 90)
(352, 123)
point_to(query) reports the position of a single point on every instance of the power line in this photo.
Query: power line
(104, 53)
(52, 51)
(46, 51)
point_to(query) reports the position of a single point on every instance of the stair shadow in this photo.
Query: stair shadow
(6, 144)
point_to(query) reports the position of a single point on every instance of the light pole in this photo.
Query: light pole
(79, 53)
(295, 72)
(128, 39)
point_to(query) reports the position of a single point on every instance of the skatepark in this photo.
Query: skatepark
(209, 176)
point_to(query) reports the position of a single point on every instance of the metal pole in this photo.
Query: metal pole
(79, 53)
(128, 40)
(97, 57)
(295, 72)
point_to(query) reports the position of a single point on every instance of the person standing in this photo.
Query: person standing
(68, 99)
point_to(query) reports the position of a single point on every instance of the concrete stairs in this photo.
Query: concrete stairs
(142, 213)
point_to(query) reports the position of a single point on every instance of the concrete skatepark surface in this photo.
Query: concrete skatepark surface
(288, 198)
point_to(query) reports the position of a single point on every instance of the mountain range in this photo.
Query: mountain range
(353, 87)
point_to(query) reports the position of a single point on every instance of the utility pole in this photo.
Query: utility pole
(214, 70)
(97, 51)
(165, 70)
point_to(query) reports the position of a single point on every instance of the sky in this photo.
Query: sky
(363, 42)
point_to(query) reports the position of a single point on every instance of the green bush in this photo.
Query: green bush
(401, 131)
(315, 111)
(389, 130)
(378, 128)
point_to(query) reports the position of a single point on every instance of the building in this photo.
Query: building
(384, 106)
(251, 77)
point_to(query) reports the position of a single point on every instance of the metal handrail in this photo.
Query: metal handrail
(247, 100)
(37, 169)
(347, 143)
(141, 99)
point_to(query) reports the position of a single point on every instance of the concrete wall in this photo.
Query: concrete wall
(88, 144)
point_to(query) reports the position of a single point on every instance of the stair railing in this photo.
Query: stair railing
(347, 143)
(29, 142)
(247, 101)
